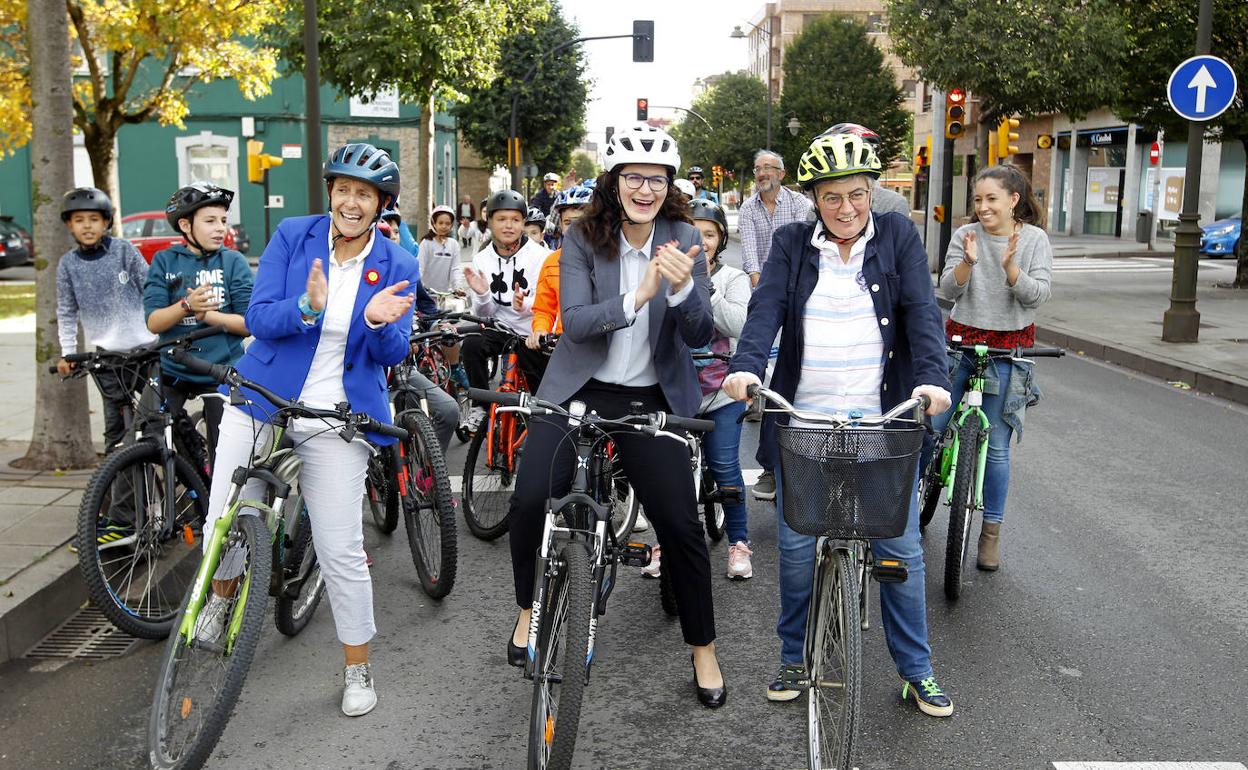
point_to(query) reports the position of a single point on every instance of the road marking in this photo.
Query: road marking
(751, 477)
(1148, 766)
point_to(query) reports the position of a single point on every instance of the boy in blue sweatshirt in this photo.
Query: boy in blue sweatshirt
(194, 286)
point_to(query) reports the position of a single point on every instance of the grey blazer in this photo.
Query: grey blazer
(592, 307)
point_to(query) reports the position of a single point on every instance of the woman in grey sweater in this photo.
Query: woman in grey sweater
(998, 271)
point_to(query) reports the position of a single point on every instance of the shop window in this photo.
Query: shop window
(208, 157)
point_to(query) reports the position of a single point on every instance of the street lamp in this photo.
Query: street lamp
(738, 33)
(794, 125)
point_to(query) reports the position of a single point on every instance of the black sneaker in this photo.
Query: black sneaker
(765, 487)
(930, 699)
(789, 684)
(113, 534)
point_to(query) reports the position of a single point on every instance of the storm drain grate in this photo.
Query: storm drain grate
(87, 635)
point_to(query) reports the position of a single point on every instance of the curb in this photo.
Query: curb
(37, 600)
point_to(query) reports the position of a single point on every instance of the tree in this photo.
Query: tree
(833, 73)
(430, 51)
(584, 165)
(1162, 33)
(736, 109)
(551, 116)
(61, 436)
(142, 56)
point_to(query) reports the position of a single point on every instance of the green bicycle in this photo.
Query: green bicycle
(248, 558)
(960, 457)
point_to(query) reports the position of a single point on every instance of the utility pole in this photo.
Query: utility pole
(312, 100)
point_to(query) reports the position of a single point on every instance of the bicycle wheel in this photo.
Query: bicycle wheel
(200, 681)
(624, 502)
(303, 585)
(428, 512)
(667, 595)
(931, 484)
(190, 438)
(380, 490)
(562, 661)
(138, 576)
(465, 408)
(962, 506)
(487, 490)
(712, 510)
(834, 662)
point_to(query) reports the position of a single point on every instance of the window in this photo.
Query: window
(133, 228)
(875, 22)
(161, 228)
(207, 157)
(209, 163)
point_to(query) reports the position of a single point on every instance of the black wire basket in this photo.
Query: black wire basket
(851, 482)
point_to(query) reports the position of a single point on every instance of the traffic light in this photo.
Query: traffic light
(610, 133)
(643, 41)
(1006, 135)
(643, 109)
(258, 163)
(955, 113)
(717, 175)
(938, 213)
(920, 160)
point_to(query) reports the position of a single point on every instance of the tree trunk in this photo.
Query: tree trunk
(425, 161)
(99, 142)
(62, 430)
(1241, 247)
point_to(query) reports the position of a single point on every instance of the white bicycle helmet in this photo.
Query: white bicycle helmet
(642, 143)
(686, 187)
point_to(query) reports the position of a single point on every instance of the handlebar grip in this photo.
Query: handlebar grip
(1042, 352)
(218, 372)
(77, 358)
(198, 334)
(688, 423)
(53, 370)
(385, 429)
(494, 397)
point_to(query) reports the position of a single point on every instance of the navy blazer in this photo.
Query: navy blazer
(281, 355)
(894, 267)
(592, 307)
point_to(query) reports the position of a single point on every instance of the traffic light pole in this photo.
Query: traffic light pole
(946, 197)
(265, 187)
(312, 122)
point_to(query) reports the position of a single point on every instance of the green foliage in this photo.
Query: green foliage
(834, 73)
(736, 108)
(1026, 57)
(584, 165)
(551, 114)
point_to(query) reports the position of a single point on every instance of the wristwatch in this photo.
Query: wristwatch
(186, 307)
(305, 307)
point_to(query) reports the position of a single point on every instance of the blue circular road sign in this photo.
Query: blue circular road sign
(1201, 88)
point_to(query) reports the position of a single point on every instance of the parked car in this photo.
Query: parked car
(242, 241)
(16, 246)
(151, 232)
(1219, 239)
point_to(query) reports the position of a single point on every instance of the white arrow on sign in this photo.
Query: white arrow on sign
(1202, 81)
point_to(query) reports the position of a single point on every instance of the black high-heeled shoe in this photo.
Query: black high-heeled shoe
(711, 697)
(516, 655)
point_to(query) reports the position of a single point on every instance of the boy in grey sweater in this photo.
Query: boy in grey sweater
(100, 283)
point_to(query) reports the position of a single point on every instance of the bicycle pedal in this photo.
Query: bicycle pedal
(635, 555)
(728, 495)
(890, 571)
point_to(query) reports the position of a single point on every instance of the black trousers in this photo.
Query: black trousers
(478, 349)
(178, 392)
(116, 388)
(659, 472)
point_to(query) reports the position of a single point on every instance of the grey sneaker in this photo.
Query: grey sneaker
(652, 570)
(739, 566)
(641, 523)
(765, 487)
(358, 695)
(211, 621)
(475, 418)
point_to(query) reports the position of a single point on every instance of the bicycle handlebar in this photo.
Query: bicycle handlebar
(918, 404)
(142, 352)
(708, 355)
(654, 423)
(1032, 352)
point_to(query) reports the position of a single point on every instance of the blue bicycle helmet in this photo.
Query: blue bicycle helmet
(368, 164)
(579, 195)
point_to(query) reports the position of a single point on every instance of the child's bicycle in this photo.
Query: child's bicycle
(847, 480)
(960, 457)
(253, 556)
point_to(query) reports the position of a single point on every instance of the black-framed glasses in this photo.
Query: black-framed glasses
(633, 182)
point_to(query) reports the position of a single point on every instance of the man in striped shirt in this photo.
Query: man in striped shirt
(771, 206)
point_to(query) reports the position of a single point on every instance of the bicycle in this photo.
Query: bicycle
(138, 517)
(846, 482)
(576, 568)
(253, 553)
(959, 459)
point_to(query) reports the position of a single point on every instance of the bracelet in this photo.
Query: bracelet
(970, 262)
(305, 307)
(186, 307)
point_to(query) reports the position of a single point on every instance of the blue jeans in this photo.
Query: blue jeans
(997, 472)
(723, 456)
(903, 606)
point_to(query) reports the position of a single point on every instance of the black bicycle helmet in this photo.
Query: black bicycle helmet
(708, 210)
(368, 164)
(196, 195)
(86, 199)
(534, 216)
(507, 200)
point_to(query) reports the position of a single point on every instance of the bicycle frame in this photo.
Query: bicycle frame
(501, 424)
(971, 407)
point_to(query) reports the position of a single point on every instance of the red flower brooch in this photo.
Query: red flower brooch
(371, 277)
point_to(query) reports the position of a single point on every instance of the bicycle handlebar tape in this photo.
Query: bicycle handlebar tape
(687, 423)
(494, 397)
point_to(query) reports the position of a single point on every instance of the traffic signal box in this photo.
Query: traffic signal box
(955, 113)
(643, 110)
(258, 163)
(717, 176)
(1007, 135)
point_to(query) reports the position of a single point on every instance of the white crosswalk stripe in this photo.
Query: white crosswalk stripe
(1148, 766)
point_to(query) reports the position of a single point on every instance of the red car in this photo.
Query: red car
(150, 232)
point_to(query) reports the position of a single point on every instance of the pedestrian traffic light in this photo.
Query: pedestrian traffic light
(955, 113)
(643, 109)
(1006, 135)
(258, 163)
(643, 41)
(920, 160)
(938, 213)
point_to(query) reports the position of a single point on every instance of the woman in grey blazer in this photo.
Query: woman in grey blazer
(634, 299)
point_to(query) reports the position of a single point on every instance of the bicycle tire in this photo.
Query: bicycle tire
(291, 614)
(624, 502)
(713, 516)
(176, 698)
(930, 486)
(380, 491)
(192, 443)
(171, 556)
(562, 638)
(486, 496)
(429, 511)
(465, 408)
(961, 506)
(834, 663)
(667, 594)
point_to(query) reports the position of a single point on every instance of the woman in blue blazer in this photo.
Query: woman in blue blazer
(331, 309)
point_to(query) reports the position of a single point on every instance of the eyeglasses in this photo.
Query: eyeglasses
(834, 201)
(695, 177)
(765, 169)
(633, 182)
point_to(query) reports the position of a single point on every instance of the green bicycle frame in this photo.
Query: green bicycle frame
(966, 410)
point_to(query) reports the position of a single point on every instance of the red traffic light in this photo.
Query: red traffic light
(643, 109)
(957, 96)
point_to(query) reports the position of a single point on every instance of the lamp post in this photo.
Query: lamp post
(738, 33)
(794, 125)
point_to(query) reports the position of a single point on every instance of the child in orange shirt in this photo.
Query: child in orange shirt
(568, 207)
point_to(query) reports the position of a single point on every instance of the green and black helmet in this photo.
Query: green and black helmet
(836, 156)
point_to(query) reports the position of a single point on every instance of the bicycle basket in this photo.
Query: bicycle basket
(852, 483)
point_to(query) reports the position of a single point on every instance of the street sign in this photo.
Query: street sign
(1201, 88)
(1154, 154)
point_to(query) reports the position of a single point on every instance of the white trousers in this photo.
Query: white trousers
(332, 483)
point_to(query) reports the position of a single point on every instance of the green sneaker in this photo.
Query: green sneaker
(112, 534)
(789, 684)
(930, 699)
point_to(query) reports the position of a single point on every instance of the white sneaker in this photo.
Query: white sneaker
(358, 695)
(475, 418)
(211, 621)
(651, 570)
(739, 567)
(641, 523)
